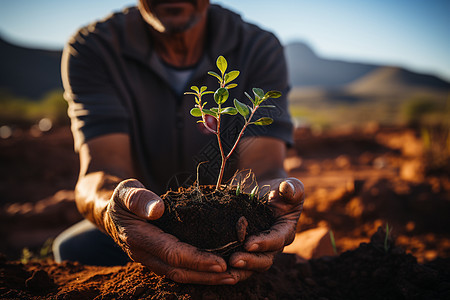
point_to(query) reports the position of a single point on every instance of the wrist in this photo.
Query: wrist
(93, 194)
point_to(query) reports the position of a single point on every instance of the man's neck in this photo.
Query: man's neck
(181, 49)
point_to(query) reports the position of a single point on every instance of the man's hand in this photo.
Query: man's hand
(286, 199)
(128, 211)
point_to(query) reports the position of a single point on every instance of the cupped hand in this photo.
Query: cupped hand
(286, 199)
(129, 209)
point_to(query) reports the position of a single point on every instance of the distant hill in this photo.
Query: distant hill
(28, 72)
(31, 73)
(308, 69)
(318, 80)
(386, 81)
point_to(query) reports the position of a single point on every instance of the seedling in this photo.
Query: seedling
(333, 242)
(220, 97)
(238, 188)
(253, 192)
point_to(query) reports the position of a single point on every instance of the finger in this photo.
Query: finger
(153, 241)
(259, 262)
(138, 200)
(193, 276)
(279, 235)
(288, 198)
(144, 203)
(291, 191)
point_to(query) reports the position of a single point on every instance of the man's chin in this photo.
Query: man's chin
(178, 25)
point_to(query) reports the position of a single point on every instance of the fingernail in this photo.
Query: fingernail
(216, 269)
(150, 206)
(253, 247)
(228, 281)
(240, 264)
(292, 187)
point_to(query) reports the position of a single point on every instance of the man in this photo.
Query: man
(124, 79)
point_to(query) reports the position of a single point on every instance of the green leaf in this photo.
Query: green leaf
(268, 106)
(215, 75)
(215, 109)
(202, 89)
(190, 93)
(241, 108)
(222, 64)
(210, 112)
(263, 121)
(253, 192)
(231, 85)
(221, 95)
(196, 112)
(194, 88)
(248, 96)
(258, 92)
(231, 76)
(208, 92)
(272, 94)
(229, 111)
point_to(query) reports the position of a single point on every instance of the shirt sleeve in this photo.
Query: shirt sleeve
(95, 108)
(269, 71)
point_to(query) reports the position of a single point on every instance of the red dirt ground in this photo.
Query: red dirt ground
(355, 181)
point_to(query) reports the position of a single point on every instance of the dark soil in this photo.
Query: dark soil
(208, 219)
(368, 272)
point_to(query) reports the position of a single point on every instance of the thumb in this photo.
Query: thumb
(292, 190)
(140, 201)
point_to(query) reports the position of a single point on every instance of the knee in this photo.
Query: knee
(69, 243)
(64, 248)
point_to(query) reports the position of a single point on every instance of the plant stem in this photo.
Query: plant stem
(222, 154)
(225, 158)
(242, 132)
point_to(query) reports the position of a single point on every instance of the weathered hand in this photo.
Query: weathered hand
(286, 201)
(129, 209)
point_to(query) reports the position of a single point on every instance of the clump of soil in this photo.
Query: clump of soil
(214, 220)
(372, 271)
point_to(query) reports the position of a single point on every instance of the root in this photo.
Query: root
(228, 247)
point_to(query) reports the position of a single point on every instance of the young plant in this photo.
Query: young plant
(220, 97)
(333, 242)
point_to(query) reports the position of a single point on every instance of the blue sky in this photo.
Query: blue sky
(410, 33)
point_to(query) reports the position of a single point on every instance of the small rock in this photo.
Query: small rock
(313, 243)
(241, 228)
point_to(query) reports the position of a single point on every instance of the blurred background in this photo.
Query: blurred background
(370, 100)
(349, 61)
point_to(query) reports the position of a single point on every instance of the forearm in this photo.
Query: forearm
(105, 161)
(93, 193)
(264, 156)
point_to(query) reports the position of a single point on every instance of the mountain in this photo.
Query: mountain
(28, 72)
(323, 80)
(306, 68)
(388, 81)
(31, 73)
